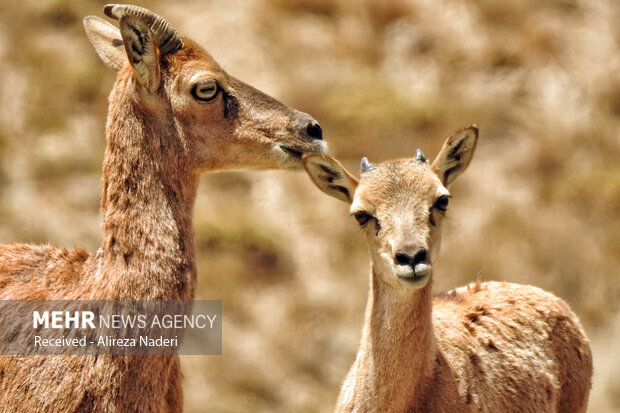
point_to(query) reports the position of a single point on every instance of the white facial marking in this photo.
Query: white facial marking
(442, 191)
(360, 205)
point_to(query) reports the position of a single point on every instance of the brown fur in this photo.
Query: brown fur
(487, 347)
(498, 348)
(157, 145)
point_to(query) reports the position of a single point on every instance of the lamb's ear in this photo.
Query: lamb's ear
(141, 51)
(107, 42)
(330, 176)
(456, 154)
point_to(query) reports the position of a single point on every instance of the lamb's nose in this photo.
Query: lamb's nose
(403, 258)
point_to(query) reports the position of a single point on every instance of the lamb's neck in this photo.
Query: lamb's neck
(396, 356)
(147, 200)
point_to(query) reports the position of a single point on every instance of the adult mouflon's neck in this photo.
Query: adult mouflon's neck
(397, 350)
(147, 200)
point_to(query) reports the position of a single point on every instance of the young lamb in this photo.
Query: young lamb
(486, 347)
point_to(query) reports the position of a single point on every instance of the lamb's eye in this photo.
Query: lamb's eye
(442, 203)
(362, 217)
(205, 90)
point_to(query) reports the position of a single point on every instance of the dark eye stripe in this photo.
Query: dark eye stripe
(431, 218)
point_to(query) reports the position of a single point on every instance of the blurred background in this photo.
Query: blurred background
(540, 203)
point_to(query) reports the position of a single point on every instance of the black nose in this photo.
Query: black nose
(314, 131)
(403, 258)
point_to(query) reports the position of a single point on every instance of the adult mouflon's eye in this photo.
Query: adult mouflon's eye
(205, 90)
(362, 217)
(442, 203)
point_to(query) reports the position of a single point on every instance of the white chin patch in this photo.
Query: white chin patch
(322, 147)
(422, 270)
(290, 156)
(411, 278)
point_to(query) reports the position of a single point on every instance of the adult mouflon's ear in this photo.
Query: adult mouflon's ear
(141, 51)
(145, 35)
(133, 42)
(330, 176)
(107, 42)
(456, 154)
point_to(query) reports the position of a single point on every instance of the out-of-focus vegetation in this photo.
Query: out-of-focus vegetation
(540, 203)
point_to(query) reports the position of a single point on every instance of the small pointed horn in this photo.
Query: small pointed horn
(419, 156)
(366, 166)
(167, 39)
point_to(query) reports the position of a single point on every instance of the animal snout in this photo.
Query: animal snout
(404, 258)
(306, 127)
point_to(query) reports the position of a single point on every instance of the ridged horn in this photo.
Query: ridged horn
(167, 39)
(366, 166)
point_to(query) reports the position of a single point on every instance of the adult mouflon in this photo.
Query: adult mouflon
(173, 114)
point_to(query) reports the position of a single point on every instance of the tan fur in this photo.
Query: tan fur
(157, 145)
(487, 347)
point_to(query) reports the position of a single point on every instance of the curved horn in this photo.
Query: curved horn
(167, 39)
(419, 156)
(366, 166)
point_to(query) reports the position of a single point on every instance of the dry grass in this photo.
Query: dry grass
(540, 203)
